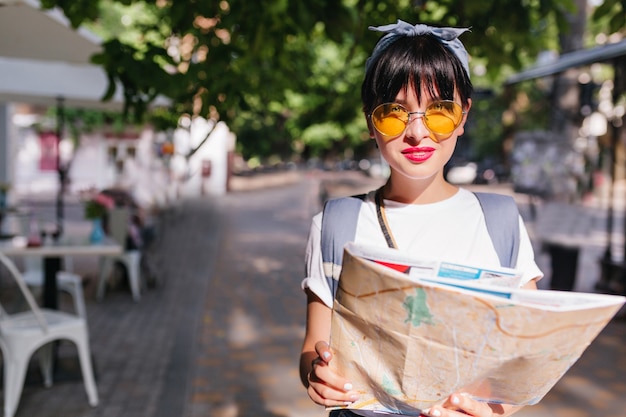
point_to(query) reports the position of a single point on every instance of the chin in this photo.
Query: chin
(423, 171)
(418, 175)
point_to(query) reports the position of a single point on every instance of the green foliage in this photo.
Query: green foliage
(97, 205)
(612, 13)
(484, 127)
(77, 11)
(285, 74)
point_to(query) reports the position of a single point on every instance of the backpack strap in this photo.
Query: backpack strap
(339, 223)
(502, 218)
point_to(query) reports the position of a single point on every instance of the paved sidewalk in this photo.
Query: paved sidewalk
(140, 349)
(220, 334)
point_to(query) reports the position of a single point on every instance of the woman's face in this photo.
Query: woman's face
(417, 153)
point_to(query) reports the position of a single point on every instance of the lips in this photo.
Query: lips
(420, 154)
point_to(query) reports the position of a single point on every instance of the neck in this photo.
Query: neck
(418, 191)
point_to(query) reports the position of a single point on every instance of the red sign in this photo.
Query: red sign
(49, 144)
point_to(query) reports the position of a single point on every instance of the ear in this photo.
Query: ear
(467, 110)
(462, 125)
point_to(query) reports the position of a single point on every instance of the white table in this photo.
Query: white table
(52, 253)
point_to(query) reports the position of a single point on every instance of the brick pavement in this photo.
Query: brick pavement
(251, 329)
(141, 350)
(220, 332)
(219, 336)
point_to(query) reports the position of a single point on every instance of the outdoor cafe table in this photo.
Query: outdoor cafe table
(52, 253)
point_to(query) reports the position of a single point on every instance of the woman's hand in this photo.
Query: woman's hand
(323, 384)
(461, 405)
(325, 387)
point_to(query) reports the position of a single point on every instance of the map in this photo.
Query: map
(408, 337)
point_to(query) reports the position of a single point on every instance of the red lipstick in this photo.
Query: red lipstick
(418, 154)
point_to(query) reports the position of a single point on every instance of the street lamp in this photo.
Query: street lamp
(61, 170)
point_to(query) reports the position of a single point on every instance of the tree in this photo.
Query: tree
(613, 13)
(285, 75)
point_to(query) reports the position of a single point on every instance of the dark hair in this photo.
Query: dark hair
(421, 61)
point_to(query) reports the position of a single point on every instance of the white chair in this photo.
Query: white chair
(119, 219)
(24, 333)
(67, 281)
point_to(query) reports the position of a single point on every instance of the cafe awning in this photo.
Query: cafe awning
(28, 32)
(603, 53)
(43, 60)
(44, 82)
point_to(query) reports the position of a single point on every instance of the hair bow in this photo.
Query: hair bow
(446, 35)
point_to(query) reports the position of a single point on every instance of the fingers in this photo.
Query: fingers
(329, 396)
(458, 405)
(325, 386)
(323, 350)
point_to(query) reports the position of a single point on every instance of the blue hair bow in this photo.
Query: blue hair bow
(445, 35)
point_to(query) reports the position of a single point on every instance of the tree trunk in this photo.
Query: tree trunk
(566, 118)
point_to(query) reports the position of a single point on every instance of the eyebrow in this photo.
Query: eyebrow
(426, 103)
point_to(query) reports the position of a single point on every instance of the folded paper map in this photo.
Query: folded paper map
(408, 333)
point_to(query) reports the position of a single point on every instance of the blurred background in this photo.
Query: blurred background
(186, 110)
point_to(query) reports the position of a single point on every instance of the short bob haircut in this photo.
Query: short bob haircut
(420, 61)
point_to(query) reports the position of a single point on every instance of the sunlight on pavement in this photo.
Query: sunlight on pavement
(276, 372)
(226, 410)
(243, 328)
(265, 265)
(282, 391)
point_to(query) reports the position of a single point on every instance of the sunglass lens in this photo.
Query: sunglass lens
(443, 117)
(390, 119)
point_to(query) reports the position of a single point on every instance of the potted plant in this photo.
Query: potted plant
(96, 206)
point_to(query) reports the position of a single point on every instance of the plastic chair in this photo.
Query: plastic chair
(24, 333)
(117, 229)
(67, 281)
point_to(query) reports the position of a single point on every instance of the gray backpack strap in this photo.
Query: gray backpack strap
(502, 218)
(339, 223)
(341, 215)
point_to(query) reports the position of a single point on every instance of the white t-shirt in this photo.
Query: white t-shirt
(451, 230)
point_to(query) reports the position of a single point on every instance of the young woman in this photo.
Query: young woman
(416, 98)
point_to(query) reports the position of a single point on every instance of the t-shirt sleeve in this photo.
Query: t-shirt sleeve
(314, 279)
(526, 257)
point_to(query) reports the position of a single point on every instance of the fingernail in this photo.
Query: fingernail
(434, 413)
(354, 397)
(455, 400)
(326, 355)
(347, 386)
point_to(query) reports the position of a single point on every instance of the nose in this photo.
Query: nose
(417, 130)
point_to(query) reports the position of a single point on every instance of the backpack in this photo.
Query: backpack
(340, 218)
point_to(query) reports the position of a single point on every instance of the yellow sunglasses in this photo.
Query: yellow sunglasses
(441, 118)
